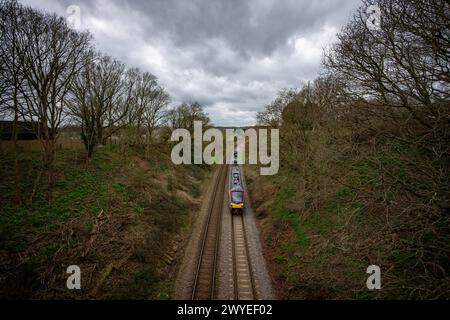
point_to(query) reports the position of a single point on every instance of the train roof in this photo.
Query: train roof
(237, 189)
(236, 179)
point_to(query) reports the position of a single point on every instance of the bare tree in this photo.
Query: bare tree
(47, 55)
(141, 87)
(272, 115)
(83, 104)
(184, 116)
(154, 112)
(107, 76)
(330, 95)
(100, 99)
(404, 65)
(398, 79)
(10, 77)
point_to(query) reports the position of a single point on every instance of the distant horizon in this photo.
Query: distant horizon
(210, 125)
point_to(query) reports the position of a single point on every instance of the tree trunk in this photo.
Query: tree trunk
(15, 129)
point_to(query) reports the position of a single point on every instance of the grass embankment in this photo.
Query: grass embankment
(122, 218)
(347, 206)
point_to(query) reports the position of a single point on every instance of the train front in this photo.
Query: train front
(237, 193)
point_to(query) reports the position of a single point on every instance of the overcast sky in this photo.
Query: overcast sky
(232, 56)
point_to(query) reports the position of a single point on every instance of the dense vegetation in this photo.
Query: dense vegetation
(120, 209)
(363, 180)
(52, 76)
(364, 163)
(122, 217)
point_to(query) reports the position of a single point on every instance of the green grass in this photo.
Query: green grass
(77, 191)
(319, 222)
(313, 224)
(124, 184)
(281, 211)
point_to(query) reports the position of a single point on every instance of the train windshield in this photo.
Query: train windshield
(236, 197)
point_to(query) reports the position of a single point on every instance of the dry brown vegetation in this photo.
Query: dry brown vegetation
(365, 157)
(111, 202)
(120, 218)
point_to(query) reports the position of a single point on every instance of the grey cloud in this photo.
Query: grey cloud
(249, 27)
(233, 56)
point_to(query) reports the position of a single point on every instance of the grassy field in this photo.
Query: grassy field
(122, 218)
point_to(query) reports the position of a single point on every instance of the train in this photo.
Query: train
(237, 192)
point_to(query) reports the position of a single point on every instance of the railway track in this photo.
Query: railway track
(204, 287)
(243, 280)
(205, 278)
